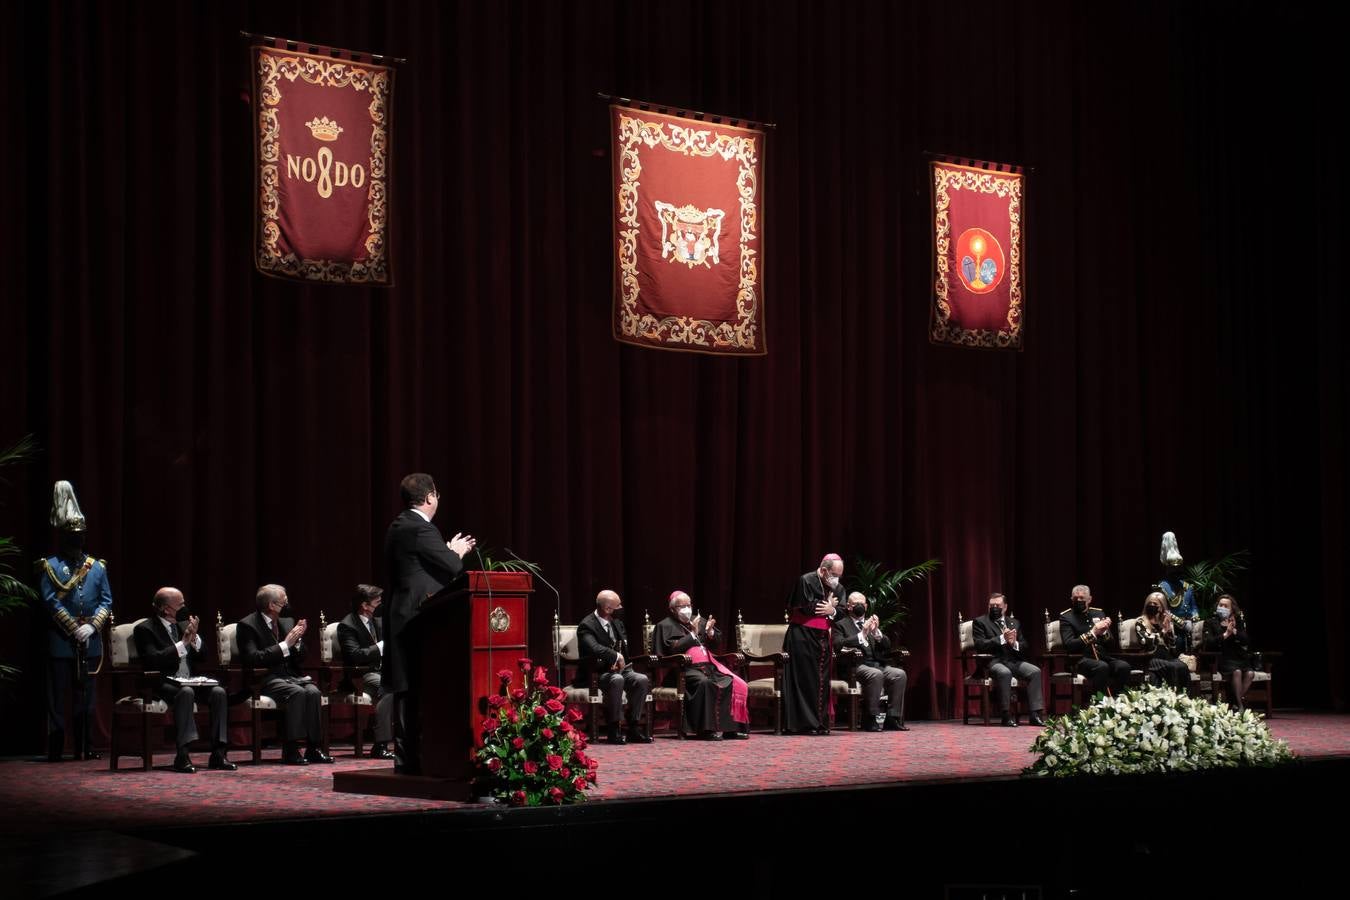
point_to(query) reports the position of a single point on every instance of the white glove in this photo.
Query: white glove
(84, 633)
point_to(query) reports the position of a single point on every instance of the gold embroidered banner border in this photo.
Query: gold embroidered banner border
(978, 294)
(318, 217)
(687, 191)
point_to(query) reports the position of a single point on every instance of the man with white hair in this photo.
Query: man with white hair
(602, 645)
(806, 676)
(714, 697)
(271, 642)
(1085, 629)
(859, 631)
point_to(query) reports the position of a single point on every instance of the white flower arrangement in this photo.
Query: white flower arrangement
(1153, 730)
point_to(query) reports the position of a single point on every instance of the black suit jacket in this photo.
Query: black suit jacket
(987, 633)
(156, 651)
(876, 654)
(259, 650)
(1073, 625)
(597, 650)
(358, 646)
(419, 566)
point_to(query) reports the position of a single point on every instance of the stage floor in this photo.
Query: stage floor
(38, 797)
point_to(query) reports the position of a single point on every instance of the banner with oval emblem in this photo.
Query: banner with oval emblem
(688, 229)
(322, 143)
(979, 253)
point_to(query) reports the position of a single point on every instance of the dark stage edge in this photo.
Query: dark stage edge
(992, 837)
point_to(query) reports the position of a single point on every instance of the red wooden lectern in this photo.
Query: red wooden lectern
(457, 642)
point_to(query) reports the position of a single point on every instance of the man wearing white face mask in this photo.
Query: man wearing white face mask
(715, 698)
(806, 676)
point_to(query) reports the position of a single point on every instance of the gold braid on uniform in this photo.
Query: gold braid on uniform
(63, 588)
(103, 614)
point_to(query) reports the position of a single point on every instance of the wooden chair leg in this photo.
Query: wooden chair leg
(146, 759)
(361, 719)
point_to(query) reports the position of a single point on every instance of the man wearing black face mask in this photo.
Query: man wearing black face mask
(863, 633)
(172, 647)
(74, 589)
(602, 645)
(273, 643)
(1000, 635)
(1087, 630)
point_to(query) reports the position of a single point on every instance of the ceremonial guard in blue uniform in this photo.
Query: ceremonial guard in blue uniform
(75, 591)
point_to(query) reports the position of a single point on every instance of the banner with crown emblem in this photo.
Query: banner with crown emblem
(688, 204)
(321, 140)
(979, 253)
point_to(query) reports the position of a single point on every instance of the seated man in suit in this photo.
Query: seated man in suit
(1085, 629)
(1000, 635)
(273, 644)
(173, 650)
(361, 637)
(862, 632)
(602, 645)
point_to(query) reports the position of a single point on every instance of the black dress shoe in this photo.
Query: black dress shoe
(1035, 719)
(635, 736)
(710, 735)
(293, 758)
(736, 735)
(614, 737)
(315, 755)
(219, 762)
(381, 751)
(1008, 721)
(871, 726)
(91, 754)
(894, 724)
(183, 763)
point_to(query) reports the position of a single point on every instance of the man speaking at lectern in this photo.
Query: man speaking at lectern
(420, 564)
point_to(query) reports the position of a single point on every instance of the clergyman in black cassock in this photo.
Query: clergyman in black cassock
(806, 675)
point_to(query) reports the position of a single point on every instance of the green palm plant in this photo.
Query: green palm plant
(14, 594)
(492, 564)
(882, 587)
(1210, 578)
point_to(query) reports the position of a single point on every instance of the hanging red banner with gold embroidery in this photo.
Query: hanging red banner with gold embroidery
(322, 131)
(979, 253)
(688, 236)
